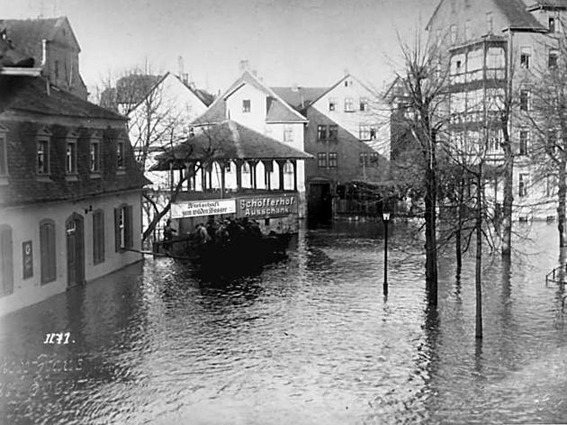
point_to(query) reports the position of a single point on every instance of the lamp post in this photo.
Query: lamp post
(385, 219)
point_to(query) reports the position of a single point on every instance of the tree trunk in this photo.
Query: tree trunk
(431, 231)
(506, 229)
(561, 205)
(458, 236)
(478, 274)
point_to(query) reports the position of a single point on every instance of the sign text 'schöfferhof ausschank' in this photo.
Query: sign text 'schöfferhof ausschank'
(272, 206)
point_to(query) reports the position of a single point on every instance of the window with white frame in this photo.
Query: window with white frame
(333, 159)
(71, 157)
(123, 228)
(349, 104)
(551, 21)
(363, 106)
(552, 59)
(246, 105)
(322, 160)
(364, 132)
(333, 132)
(453, 31)
(332, 103)
(94, 156)
(321, 133)
(288, 133)
(524, 142)
(43, 157)
(524, 100)
(120, 160)
(525, 56)
(523, 185)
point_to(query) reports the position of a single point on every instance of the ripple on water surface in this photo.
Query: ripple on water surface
(310, 339)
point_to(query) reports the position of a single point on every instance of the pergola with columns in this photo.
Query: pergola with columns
(229, 145)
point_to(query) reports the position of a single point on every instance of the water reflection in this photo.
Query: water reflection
(310, 339)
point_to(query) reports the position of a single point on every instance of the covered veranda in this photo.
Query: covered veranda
(228, 160)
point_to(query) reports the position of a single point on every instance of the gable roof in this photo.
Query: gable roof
(278, 109)
(33, 95)
(330, 89)
(228, 140)
(518, 15)
(26, 35)
(299, 98)
(515, 11)
(547, 4)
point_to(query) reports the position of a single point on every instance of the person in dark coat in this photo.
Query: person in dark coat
(168, 234)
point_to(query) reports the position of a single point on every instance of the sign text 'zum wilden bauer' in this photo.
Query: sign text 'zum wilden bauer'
(267, 206)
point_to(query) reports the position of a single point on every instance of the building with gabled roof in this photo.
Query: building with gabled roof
(70, 191)
(348, 134)
(251, 103)
(53, 46)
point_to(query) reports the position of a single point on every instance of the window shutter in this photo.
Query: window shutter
(52, 258)
(6, 261)
(117, 229)
(128, 225)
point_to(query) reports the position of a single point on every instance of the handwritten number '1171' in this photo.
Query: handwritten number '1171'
(57, 338)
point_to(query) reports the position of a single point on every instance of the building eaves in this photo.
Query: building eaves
(547, 5)
(36, 95)
(518, 16)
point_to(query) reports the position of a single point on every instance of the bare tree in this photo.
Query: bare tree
(425, 91)
(548, 117)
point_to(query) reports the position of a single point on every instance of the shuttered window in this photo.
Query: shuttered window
(47, 250)
(98, 237)
(123, 228)
(6, 261)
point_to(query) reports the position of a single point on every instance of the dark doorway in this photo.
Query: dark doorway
(319, 204)
(74, 229)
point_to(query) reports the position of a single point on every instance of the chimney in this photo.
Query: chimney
(180, 67)
(43, 53)
(244, 65)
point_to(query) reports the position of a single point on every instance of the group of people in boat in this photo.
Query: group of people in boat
(226, 232)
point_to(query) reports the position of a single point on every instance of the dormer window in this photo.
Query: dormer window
(95, 156)
(246, 107)
(120, 160)
(42, 156)
(71, 158)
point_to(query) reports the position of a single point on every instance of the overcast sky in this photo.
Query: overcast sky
(308, 42)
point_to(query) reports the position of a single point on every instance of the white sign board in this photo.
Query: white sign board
(203, 208)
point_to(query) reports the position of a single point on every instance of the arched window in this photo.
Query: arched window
(6, 261)
(47, 251)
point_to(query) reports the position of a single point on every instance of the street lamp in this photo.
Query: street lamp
(385, 219)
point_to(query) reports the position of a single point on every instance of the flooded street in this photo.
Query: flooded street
(309, 340)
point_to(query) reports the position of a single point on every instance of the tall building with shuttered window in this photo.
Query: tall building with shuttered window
(70, 190)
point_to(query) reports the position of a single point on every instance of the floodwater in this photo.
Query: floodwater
(309, 340)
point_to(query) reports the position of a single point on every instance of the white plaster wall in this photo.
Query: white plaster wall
(254, 119)
(376, 115)
(25, 227)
